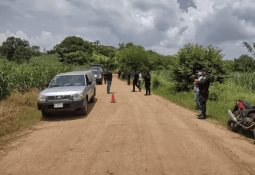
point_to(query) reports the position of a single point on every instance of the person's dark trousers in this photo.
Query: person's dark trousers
(109, 83)
(135, 84)
(203, 99)
(148, 90)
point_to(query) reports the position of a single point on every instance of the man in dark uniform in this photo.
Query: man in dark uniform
(135, 81)
(203, 85)
(108, 77)
(147, 82)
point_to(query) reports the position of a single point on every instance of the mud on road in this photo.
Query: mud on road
(137, 135)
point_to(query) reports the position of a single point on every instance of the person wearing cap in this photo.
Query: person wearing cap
(196, 90)
(203, 85)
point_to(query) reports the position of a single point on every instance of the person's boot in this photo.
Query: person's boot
(202, 116)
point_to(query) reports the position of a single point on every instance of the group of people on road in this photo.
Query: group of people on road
(137, 82)
(201, 88)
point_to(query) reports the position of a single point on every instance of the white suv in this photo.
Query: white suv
(68, 92)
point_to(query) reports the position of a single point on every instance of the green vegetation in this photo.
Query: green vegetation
(23, 77)
(131, 57)
(222, 96)
(246, 80)
(74, 50)
(18, 50)
(192, 58)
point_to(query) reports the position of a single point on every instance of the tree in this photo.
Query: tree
(22, 54)
(159, 62)
(132, 58)
(16, 49)
(244, 63)
(35, 50)
(107, 51)
(78, 57)
(193, 57)
(229, 65)
(75, 45)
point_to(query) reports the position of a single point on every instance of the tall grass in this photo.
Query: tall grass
(246, 80)
(23, 77)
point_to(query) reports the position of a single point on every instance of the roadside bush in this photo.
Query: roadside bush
(155, 82)
(194, 57)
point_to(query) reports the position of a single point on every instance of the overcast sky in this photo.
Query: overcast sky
(160, 25)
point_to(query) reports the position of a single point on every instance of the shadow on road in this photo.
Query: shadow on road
(65, 116)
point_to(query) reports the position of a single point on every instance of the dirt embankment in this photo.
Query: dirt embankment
(137, 135)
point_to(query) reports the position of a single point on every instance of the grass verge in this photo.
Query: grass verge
(222, 97)
(18, 113)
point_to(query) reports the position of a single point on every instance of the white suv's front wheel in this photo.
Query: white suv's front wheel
(84, 110)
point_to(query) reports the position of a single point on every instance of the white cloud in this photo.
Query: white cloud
(164, 25)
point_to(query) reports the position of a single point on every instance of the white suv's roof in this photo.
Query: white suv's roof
(75, 73)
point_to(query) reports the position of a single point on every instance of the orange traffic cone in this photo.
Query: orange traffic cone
(113, 98)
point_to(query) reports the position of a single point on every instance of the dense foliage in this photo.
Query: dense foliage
(244, 63)
(16, 49)
(133, 57)
(193, 57)
(75, 50)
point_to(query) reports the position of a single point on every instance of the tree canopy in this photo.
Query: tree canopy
(74, 49)
(132, 58)
(16, 49)
(194, 57)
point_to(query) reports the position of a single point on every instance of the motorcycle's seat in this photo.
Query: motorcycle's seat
(248, 105)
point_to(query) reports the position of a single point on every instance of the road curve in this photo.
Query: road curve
(137, 135)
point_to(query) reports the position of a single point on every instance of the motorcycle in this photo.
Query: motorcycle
(242, 116)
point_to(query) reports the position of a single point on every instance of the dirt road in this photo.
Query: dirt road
(137, 135)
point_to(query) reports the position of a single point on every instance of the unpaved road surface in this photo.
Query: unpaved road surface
(137, 135)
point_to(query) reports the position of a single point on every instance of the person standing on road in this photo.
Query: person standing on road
(119, 74)
(147, 82)
(135, 81)
(203, 85)
(108, 77)
(196, 90)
